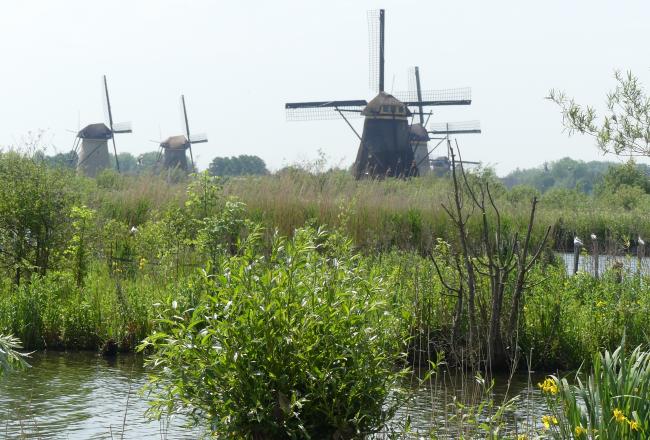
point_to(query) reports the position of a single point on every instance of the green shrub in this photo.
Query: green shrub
(296, 344)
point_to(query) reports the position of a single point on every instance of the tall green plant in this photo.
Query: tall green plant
(612, 403)
(296, 344)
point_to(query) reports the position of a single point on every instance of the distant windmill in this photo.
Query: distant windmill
(442, 164)
(91, 143)
(419, 135)
(172, 150)
(384, 148)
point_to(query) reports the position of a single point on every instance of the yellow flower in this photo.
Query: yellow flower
(548, 421)
(580, 431)
(634, 425)
(143, 262)
(548, 386)
(619, 416)
(522, 437)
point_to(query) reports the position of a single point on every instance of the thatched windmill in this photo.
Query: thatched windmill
(384, 149)
(172, 150)
(91, 143)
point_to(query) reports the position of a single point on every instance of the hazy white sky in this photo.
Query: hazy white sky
(238, 62)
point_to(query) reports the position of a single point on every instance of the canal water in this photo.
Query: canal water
(84, 396)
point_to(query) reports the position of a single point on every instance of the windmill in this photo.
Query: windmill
(91, 143)
(172, 150)
(442, 165)
(384, 148)
(419, 135)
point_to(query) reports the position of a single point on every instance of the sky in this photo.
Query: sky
(238, 62)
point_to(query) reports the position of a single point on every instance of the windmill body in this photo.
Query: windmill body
(174, 156)
(93, 155)
(384, 149)
(419, 139)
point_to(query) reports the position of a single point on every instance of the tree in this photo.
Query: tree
(628, 174)
(238, 166)
(624, 130)
(33, 223)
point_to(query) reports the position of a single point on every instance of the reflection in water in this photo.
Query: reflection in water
(83, 396)
(440, 405)
(629, 265)
(80, 396)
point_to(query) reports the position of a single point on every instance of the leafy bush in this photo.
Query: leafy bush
(296, 344)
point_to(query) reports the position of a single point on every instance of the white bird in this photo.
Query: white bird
(593, 236)
(577, 241)
(641, 242)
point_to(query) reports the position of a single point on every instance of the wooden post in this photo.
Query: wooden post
(640, 253)
(594, 244)
(577, 244)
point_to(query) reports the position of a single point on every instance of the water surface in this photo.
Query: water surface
(84, 396)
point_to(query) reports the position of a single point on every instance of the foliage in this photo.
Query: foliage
(10, 357)
(566, 173)
(628, 174)
(237, 166)
(32, 227)
(79, 247)
(613, 402)
(624, 130)
(299, 344)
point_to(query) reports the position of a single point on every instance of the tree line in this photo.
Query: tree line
(242, 165)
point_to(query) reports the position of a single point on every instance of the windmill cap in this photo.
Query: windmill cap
(385, 104)
(417, 133)
(95, 131)
(175, 142)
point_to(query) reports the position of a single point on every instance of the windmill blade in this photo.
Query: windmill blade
(107, 109)
(324, 110)
(418, 90)
(376, 39)
(122, 127)
(462, 127)
(184, 119)
(108, 113)
(198, 138)
(187, 129)
(459, 96)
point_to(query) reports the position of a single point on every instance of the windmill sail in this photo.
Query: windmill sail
(463, 127)
(324, 110)
(376, 39)
(457, 96)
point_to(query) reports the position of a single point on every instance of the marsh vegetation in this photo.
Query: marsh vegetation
(304, 302)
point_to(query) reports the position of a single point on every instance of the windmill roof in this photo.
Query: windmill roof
(175, 142)
(385, 104)
(417, 133)
(95, 131)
